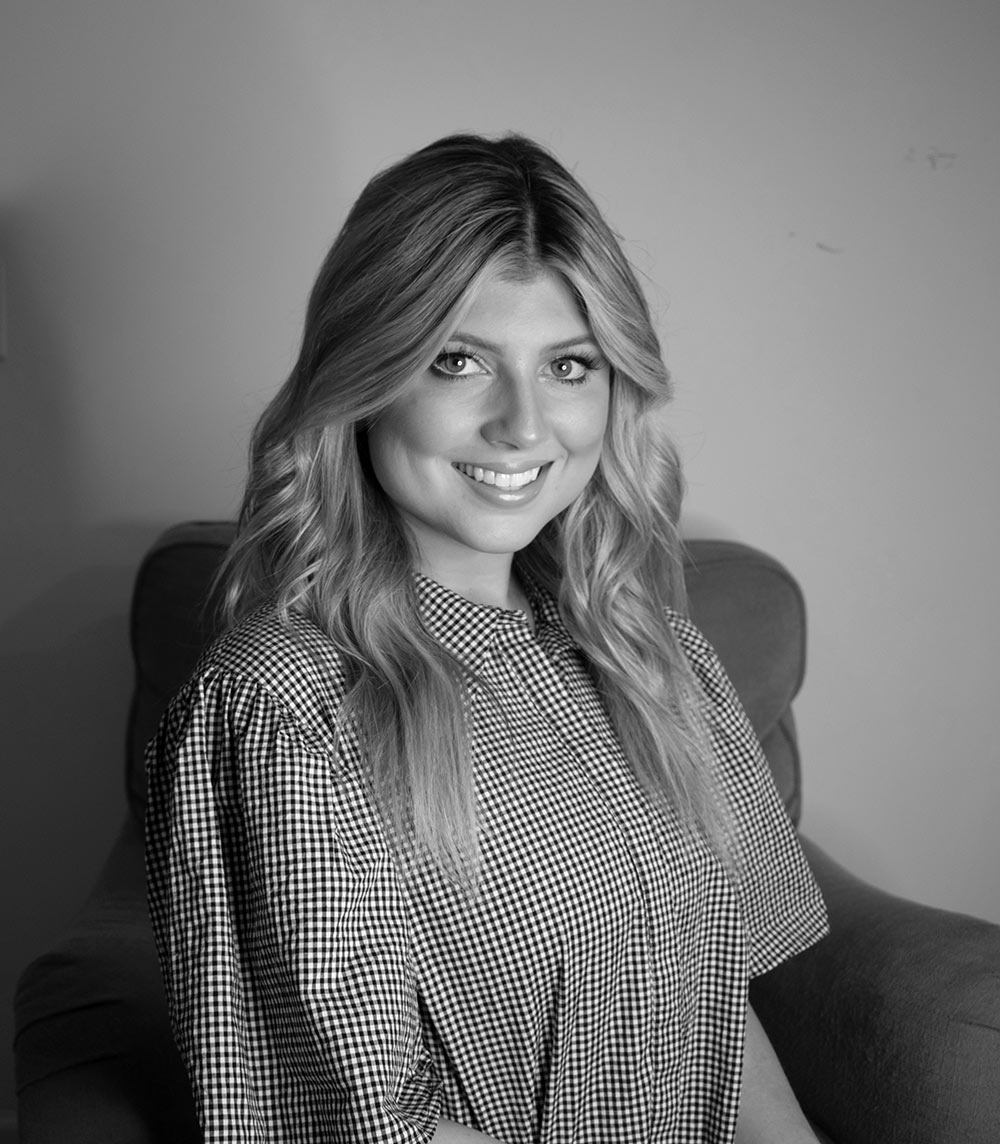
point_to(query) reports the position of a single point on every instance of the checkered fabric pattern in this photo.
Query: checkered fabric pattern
(595, 989)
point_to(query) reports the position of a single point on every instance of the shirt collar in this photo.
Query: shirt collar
(468, 630)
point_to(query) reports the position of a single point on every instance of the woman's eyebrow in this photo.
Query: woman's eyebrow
(585, 338)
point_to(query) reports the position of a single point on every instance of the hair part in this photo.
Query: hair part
(317, 535)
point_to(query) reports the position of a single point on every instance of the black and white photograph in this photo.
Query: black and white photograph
(499, 636)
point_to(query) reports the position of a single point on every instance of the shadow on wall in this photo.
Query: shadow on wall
(65, 588)
(65, 584)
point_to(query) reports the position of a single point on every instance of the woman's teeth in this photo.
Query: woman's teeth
(501, 480)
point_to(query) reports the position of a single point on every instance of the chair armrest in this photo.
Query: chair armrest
(889, 1028)
(94, 1055)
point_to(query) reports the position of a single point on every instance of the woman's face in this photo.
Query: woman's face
(502, 432)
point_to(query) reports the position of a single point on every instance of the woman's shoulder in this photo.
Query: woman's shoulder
(287, 661)
(699, 651)
(704, 662)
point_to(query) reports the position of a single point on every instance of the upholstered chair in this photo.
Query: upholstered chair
(889, 1029)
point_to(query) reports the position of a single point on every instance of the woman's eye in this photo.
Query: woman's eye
(456, 364)
(569, 369)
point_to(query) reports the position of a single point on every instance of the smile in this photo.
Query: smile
(501, 480)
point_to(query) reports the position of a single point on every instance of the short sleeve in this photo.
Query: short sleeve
(782, 907)
(281, 929)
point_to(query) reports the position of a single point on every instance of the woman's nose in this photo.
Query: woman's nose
(516, 416)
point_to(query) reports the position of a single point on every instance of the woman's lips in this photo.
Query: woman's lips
(504, 489)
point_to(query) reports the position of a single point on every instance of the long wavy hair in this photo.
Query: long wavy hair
(318, 537)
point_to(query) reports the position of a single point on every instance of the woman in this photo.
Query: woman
(459, 832)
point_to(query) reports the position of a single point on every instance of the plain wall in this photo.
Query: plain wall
(812, 191)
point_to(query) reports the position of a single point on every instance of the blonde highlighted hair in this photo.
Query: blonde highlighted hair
(317, 536)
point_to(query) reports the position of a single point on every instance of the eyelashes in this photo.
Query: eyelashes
(459, 361)
(454, 362)
(587, 361)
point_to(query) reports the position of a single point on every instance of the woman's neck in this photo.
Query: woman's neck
(489, 581)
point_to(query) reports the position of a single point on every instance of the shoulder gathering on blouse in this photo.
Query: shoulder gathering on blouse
(594, 989)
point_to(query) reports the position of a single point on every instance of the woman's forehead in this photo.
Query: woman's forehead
(502, 298)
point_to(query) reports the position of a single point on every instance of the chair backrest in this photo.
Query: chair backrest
(752, 611)
(747, 604)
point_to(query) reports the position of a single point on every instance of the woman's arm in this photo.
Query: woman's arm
(254, 879)
(448, 1132)
(769, 1112)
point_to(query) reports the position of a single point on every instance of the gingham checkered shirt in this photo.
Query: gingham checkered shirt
(596, 988)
